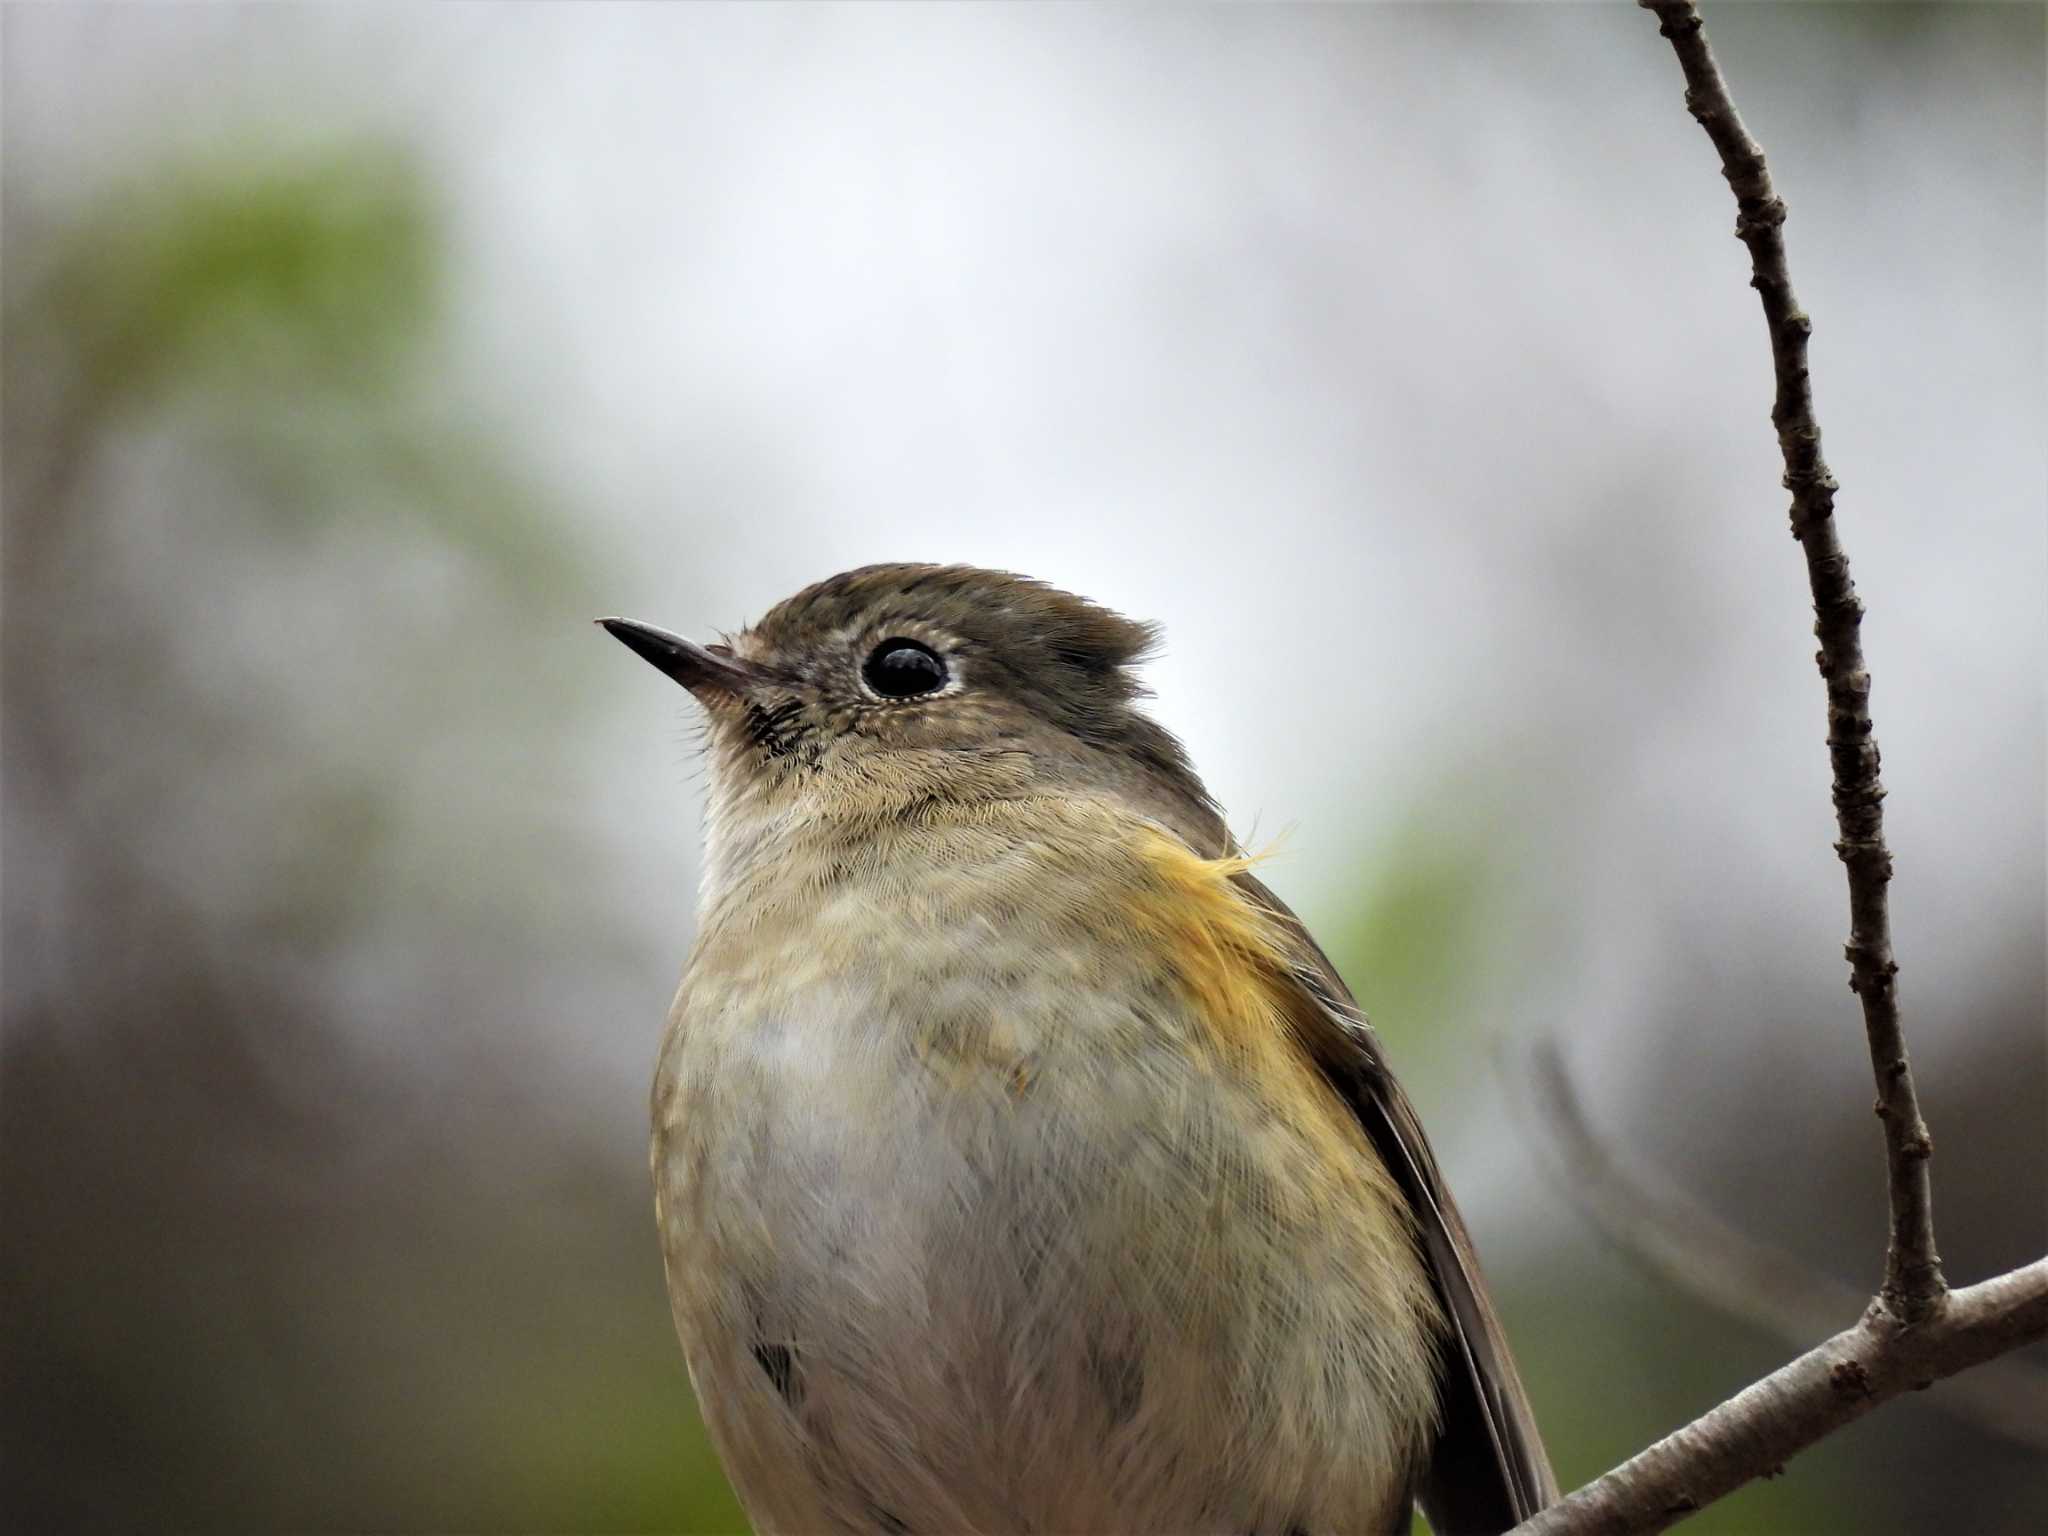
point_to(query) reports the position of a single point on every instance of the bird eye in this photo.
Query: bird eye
(903, 669)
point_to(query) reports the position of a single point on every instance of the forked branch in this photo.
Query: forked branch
(1760, 1428)
(1652, 1218)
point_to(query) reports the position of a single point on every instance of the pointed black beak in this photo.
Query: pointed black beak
(695, 666)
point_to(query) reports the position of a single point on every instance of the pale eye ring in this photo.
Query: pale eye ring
(900, 668)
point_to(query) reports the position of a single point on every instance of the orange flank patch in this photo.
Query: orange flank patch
(1229, 958)
(1234, 964)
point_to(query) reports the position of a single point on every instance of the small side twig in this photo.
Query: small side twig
(1913, 1283)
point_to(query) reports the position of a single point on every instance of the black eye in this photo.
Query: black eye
(903, 669)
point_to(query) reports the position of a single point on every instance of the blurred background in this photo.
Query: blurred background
(1398, 359)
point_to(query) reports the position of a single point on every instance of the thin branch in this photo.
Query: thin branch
(1759, 1429)
(1916, 1331)
(1913, 1282)
(1686, 1243)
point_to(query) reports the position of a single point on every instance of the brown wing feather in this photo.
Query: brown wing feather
(1488, 1470)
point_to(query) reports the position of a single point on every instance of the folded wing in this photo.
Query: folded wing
(1488, 1471)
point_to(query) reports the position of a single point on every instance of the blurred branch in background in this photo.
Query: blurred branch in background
(1654, 1220)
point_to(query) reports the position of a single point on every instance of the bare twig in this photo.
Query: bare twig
(1913, 1281)
(1915, 1332)
(1659, 1224)
(1758, 1429)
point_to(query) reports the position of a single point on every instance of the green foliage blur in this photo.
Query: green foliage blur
(257, 1279)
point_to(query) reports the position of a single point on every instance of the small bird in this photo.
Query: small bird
(1020, 1162)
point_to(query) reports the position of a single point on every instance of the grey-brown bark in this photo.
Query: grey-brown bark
(1912, 1277)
